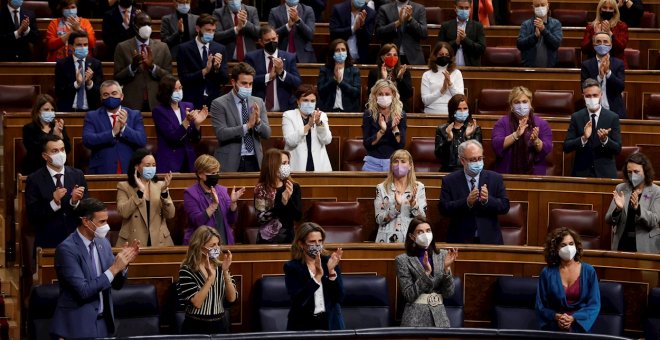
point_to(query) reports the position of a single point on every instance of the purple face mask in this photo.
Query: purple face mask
(400, 170)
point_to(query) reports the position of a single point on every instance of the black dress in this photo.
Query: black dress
(32, 141)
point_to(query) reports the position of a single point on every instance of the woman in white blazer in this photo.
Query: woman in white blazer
(306, 133)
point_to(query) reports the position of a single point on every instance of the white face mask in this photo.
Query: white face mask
(58, 159)
(285, 171)
(592, 103)
(100, 231)
(145, 32)
(567, 252)
(424, 240)
(541, 11)
(384, 101)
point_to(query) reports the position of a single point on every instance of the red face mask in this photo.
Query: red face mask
(391, 60)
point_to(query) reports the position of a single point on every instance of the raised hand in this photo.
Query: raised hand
(88, 76)
(483, 194)
(413, 197)
(383, 71)
(166, 182)
(472, 197)
(59, 127)
(587, 130)
(318, 268)
(25, 24)
(471, 128)
(179, 25)
(452, 254)
(242, 19)
(402, 70)
(535, 134)
(395, 122)
(602, 134)
(140, 185)
(226, 261)
(201, 115)
(460, 35)
(634, 199)
(316, 115)
(79, 77)
(236, 195)
(288, 191)
(619, 199)
(334, 259)
(217, 61)
(278, 65)
(137, 60)
(382, 123)
(426, 264)
(538, 24)
(449, 130)
(148, 58)
(77, 194)
(214, 195)
(522, 126)
(58, 194)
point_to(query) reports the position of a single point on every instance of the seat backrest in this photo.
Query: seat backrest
(652, 107)
(366, 303)
(621, 157)
(632, 57)
(100, 49)
(157, 10)
(553, 103)
(247, 224)
(206, 146)
(17, 97)
(501, 56)
(515, 298)
(493, 101)
(342, 221)
(272, 303)
(647, 20)
(422, 151)
(612, 311)
(43, 300)
(567, 57)
(514, 225)
(114, 221)
(652, 320)
(352, 155)
(584, 222)
(178, 224)
(454, 305)
(433, 15)
(81, 155)
(136, 310)
(570, 17)
(39, 8)
(518, 16)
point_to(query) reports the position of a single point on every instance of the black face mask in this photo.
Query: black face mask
(443, 61)
(606, 15)
(270, 47)
(211, 180)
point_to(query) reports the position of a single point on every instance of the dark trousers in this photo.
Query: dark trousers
(197, 326)
(248, 164)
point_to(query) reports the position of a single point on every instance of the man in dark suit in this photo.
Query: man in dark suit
(18, 31)
(403, 22)
(178, 27)
(595, 135)
(78, 77)
(294, 24)
(202, 64)
(118, 22)
(86, 270)
(277, 76)
(608, 71)
(465, 36)
(52, 195)
(354, 22)
(473, 198)
(112, 132)
(238, 29)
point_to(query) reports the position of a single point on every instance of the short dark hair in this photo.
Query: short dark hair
(47, 139)
(589, 82)
(640, 159)
(264, 29)
(305, 90)
(411, 246)
(77, 34)
(137, 158)
(452, 106)
(205, 19)
(165, 89)
(552, 242)
(242, 68)
(88, 207)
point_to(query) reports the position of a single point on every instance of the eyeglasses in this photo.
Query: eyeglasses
(475, 159)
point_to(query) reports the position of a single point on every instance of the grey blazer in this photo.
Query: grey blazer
(647, 231)
(414, 282)
(228, 129)
(409, 34)
(225, 34)
(302, 37)
(169, 33)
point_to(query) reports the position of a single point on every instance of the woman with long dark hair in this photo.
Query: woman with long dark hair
(389, 68)
(339, 80)
(460, 127)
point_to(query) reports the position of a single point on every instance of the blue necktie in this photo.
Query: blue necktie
(247, 139)
(95, 270)
(80, 100)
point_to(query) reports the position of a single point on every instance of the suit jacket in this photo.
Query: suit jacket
(228, 128)
(169, 31)
(301, 288)
(303, 33)
(32, 141)
(136, 224)
(594, 159)
(296, 141)
(195, 203)
(614, 84)
(225, 34)
(190, 65)
(65, 76)
(474, 44)
(340, 28)
(481, 217)
(14, 49)
(107, 149)
(647, 229)
(113, 22)
(135, 84)
(414, 282)
(78, 303)
(51, 227)
(175, 143)
(350, 89)
(408, 36)
(285, 88)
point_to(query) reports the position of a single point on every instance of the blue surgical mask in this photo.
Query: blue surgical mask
(244, 92)
(234, 5)
(521, 109)
(292, 3)
(177, 96)
(602, 49)
(307, 107)
(111, 103)
(70, 12)
(340, 57)
(463, 14)
(359, 3)
(461, 116)
(474, 168)
(81, 52)
(148, 172)
(183, 8)
(207, 37)
(47, 116)
(16, 3)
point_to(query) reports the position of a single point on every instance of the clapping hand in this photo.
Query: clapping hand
(619, 199)
(473, 196)
(226, 261)
(166, 182)
(426, 264)
(140, 184)
(288, 191)
(402, 70)
(318, 268)
(471, 128)
(602, 134)
(449, 131)
(236, 195)
(522, 126)
(588, 128)
(534, 135)
(77, 194)
(460, 35)
(634, 199)
(334, 259)
(483, 194)
(382, 123)
(413, 200)
(452, 254)
(59, 127)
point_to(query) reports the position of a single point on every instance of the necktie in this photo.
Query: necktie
(114, 121)
(80, 100)
(95, 271)
(17, 22)
(292, 46)
(58, 180)
(240, 53)
(247, 139)
(594, 130)
(472, 182)
(205, 56)
(270, 87)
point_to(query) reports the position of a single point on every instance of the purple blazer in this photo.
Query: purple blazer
(175, 143)
(504, 162)
(195, 203)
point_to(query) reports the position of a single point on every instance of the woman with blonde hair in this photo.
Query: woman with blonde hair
(607, 21)
(383, 126)
(276, 198)
(313, 280)
(399, 199)
(202, 286)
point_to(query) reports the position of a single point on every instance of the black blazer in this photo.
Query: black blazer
(350, 89)
(340, 28)
(474, 44)
(594, 159)
(51, 227)
(615, 84)
(16, 49)
(190, 65)
(404, 86)
(65, 76)
(32, 139)
(301, 288)
(112, 22)
(482, 217)
(285, 88)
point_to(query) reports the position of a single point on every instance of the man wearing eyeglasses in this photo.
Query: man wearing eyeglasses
(473, 198)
